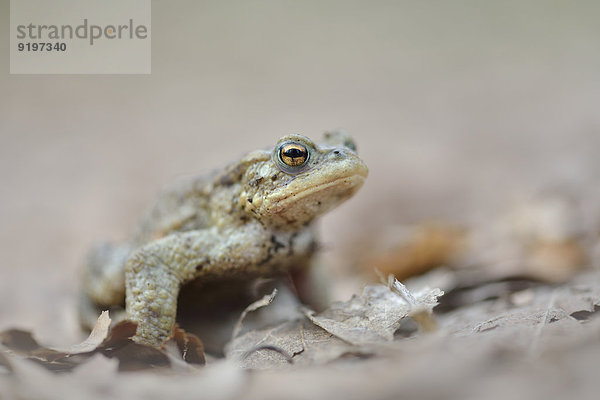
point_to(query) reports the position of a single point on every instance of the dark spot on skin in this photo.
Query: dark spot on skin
(256, 181)
(266, 259)
(244, 218)
(202, 263)
(276, 245)
(273, 248)
(318, 203)
(250, 200)
(274, 177)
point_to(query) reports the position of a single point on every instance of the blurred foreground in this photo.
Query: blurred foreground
(480, 127)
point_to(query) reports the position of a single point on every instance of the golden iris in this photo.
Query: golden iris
(293, 154)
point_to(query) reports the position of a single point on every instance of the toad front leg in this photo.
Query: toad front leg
(155, 272)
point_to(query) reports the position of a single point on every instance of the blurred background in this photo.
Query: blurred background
(458, 108)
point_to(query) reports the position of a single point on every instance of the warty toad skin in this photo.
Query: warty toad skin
(252, 219)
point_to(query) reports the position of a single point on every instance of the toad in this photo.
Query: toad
(253, 219)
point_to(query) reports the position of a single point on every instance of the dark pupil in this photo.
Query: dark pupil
(294, 153)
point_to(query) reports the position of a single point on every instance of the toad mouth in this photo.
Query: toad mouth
(351, 181)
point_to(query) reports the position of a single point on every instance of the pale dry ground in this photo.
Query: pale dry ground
(457, 107)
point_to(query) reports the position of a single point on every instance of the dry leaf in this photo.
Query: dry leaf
(376, 315)
(263, 302)
(299, 342)
(371, 318)
(415, 249)
(97, 336)
(113, 343)
(22, 342)
(190, 346)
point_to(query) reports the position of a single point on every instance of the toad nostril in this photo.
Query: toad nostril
(336, 152)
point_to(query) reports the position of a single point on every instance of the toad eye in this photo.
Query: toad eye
(293, 154)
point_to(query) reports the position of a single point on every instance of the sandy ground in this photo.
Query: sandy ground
(457, 109)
